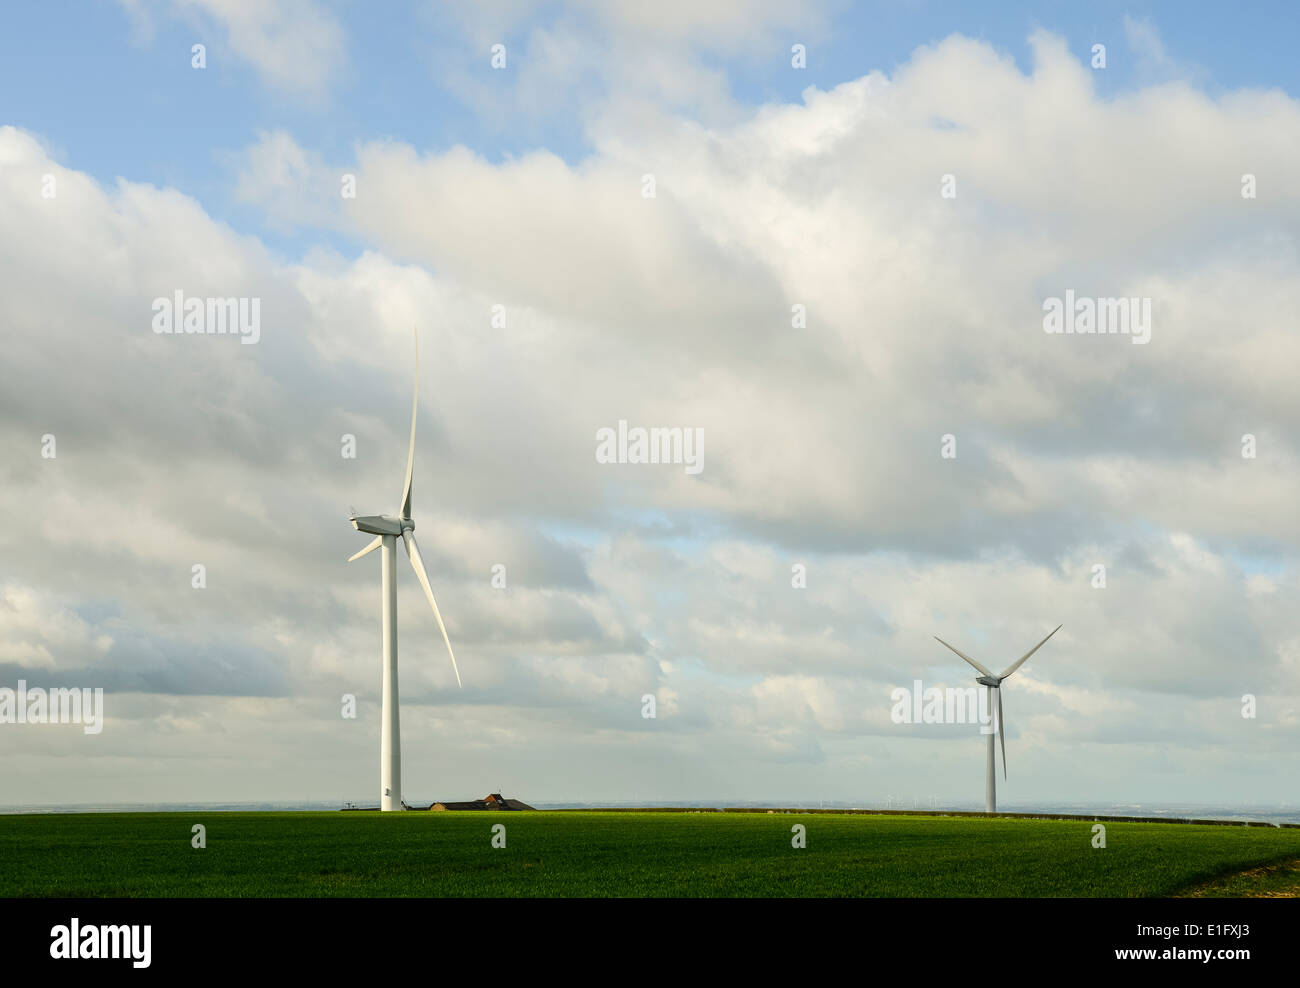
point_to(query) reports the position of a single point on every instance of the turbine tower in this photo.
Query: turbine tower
(387, 529)
(993, 684)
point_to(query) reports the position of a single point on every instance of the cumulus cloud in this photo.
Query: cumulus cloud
(922, 311)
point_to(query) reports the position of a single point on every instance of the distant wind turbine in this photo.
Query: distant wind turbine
(387, 529)
(993, 684)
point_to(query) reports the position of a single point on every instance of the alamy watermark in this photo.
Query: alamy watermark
(107, 942)
(1100, 316)
(193, 315)
(53, 706)
(949, 705)
(638, 445)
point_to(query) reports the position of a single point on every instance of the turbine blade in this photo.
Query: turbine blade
(1019, 662)
(379, 540)
(964, 656)
(1002, 734)
(410, 456)
(417, 563)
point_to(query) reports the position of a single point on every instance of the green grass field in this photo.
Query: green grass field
(614, 854)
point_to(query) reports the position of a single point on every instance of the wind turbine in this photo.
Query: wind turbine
(387, 529)
(993, 684)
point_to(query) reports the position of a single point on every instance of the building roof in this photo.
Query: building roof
(493, 801)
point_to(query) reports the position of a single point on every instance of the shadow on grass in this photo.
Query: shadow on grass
(1279, 880)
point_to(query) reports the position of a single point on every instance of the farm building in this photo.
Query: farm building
(492, 801)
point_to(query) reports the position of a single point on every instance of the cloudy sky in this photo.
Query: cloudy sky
(917, 190)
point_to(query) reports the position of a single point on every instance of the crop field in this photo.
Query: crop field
(616, 854)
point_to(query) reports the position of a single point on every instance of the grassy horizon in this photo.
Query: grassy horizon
(602, 853)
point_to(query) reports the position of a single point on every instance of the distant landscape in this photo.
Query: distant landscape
(1264, 813)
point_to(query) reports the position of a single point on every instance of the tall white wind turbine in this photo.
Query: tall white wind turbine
(993, 685)
(387, 529)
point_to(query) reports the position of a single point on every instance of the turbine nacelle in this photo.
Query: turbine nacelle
(992, 681)
(382, 524)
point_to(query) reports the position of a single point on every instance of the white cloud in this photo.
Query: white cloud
(629, 60)
(295, 45)
(1153, 62)
(34, 629)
